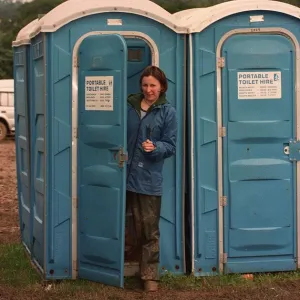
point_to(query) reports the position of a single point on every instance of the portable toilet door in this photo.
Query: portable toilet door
(101, 169)
(94, 53)
(244, 137)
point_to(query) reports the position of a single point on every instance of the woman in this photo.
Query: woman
(151, 138)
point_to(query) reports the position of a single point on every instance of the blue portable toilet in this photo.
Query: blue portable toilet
(244, 136)
(72, 205)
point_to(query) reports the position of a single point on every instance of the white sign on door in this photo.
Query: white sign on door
(259, 85)
(99, 93)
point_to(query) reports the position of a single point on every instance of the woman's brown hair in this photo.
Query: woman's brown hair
(158, 74)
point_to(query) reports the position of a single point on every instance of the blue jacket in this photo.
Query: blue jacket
(144, 169)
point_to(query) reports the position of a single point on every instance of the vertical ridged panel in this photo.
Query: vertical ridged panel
(22, 123)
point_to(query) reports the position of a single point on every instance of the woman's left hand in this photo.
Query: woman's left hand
(148, 146)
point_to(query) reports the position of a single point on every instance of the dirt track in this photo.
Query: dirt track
(9, 221)
(9, 233)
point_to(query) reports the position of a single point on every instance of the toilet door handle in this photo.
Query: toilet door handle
(122, 157)
(292, 150)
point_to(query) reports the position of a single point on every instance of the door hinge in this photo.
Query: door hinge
(122, 157)
(76, 62)
(223, 258)
(75, 265)
(222, 131)
(223, 201)
(75, 132)
(75, 202)
(221, 62)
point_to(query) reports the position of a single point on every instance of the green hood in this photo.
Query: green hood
(135, 101)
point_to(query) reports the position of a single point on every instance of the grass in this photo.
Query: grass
(15, 267)
(208, 283)
(17, 271)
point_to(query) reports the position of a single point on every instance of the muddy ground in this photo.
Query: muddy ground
(9, 221)
(9, 234)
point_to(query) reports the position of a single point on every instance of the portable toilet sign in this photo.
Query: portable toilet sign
(73, 69)
(244, 114)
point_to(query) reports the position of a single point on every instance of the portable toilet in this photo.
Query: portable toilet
(244, 136)
(74, 214)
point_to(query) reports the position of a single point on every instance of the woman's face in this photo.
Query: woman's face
(151, 88)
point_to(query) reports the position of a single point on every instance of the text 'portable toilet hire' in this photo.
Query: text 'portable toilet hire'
(244, 136)
(71, 152)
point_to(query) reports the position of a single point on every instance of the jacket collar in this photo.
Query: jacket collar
(136, 99)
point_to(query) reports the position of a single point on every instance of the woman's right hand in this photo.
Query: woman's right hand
(148, 146)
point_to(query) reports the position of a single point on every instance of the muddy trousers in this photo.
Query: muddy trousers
(145, 211)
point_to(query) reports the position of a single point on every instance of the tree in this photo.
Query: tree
(13, 17)
(29, 11)
(178, 5)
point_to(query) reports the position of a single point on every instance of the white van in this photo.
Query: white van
(7, 114)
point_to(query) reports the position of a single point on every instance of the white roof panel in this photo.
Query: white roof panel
(185, 14)
(75, 9)
(23, 36)
(198, 19)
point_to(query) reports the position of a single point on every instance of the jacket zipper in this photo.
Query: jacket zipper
(141, 120)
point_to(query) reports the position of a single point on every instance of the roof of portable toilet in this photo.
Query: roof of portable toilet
(198, 19)
(75, 9)
(6, 85)
(23, 35)
(184, 14)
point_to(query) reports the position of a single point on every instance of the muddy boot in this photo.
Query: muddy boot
(150, 286)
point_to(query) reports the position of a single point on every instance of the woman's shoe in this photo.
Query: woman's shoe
(150, 286)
